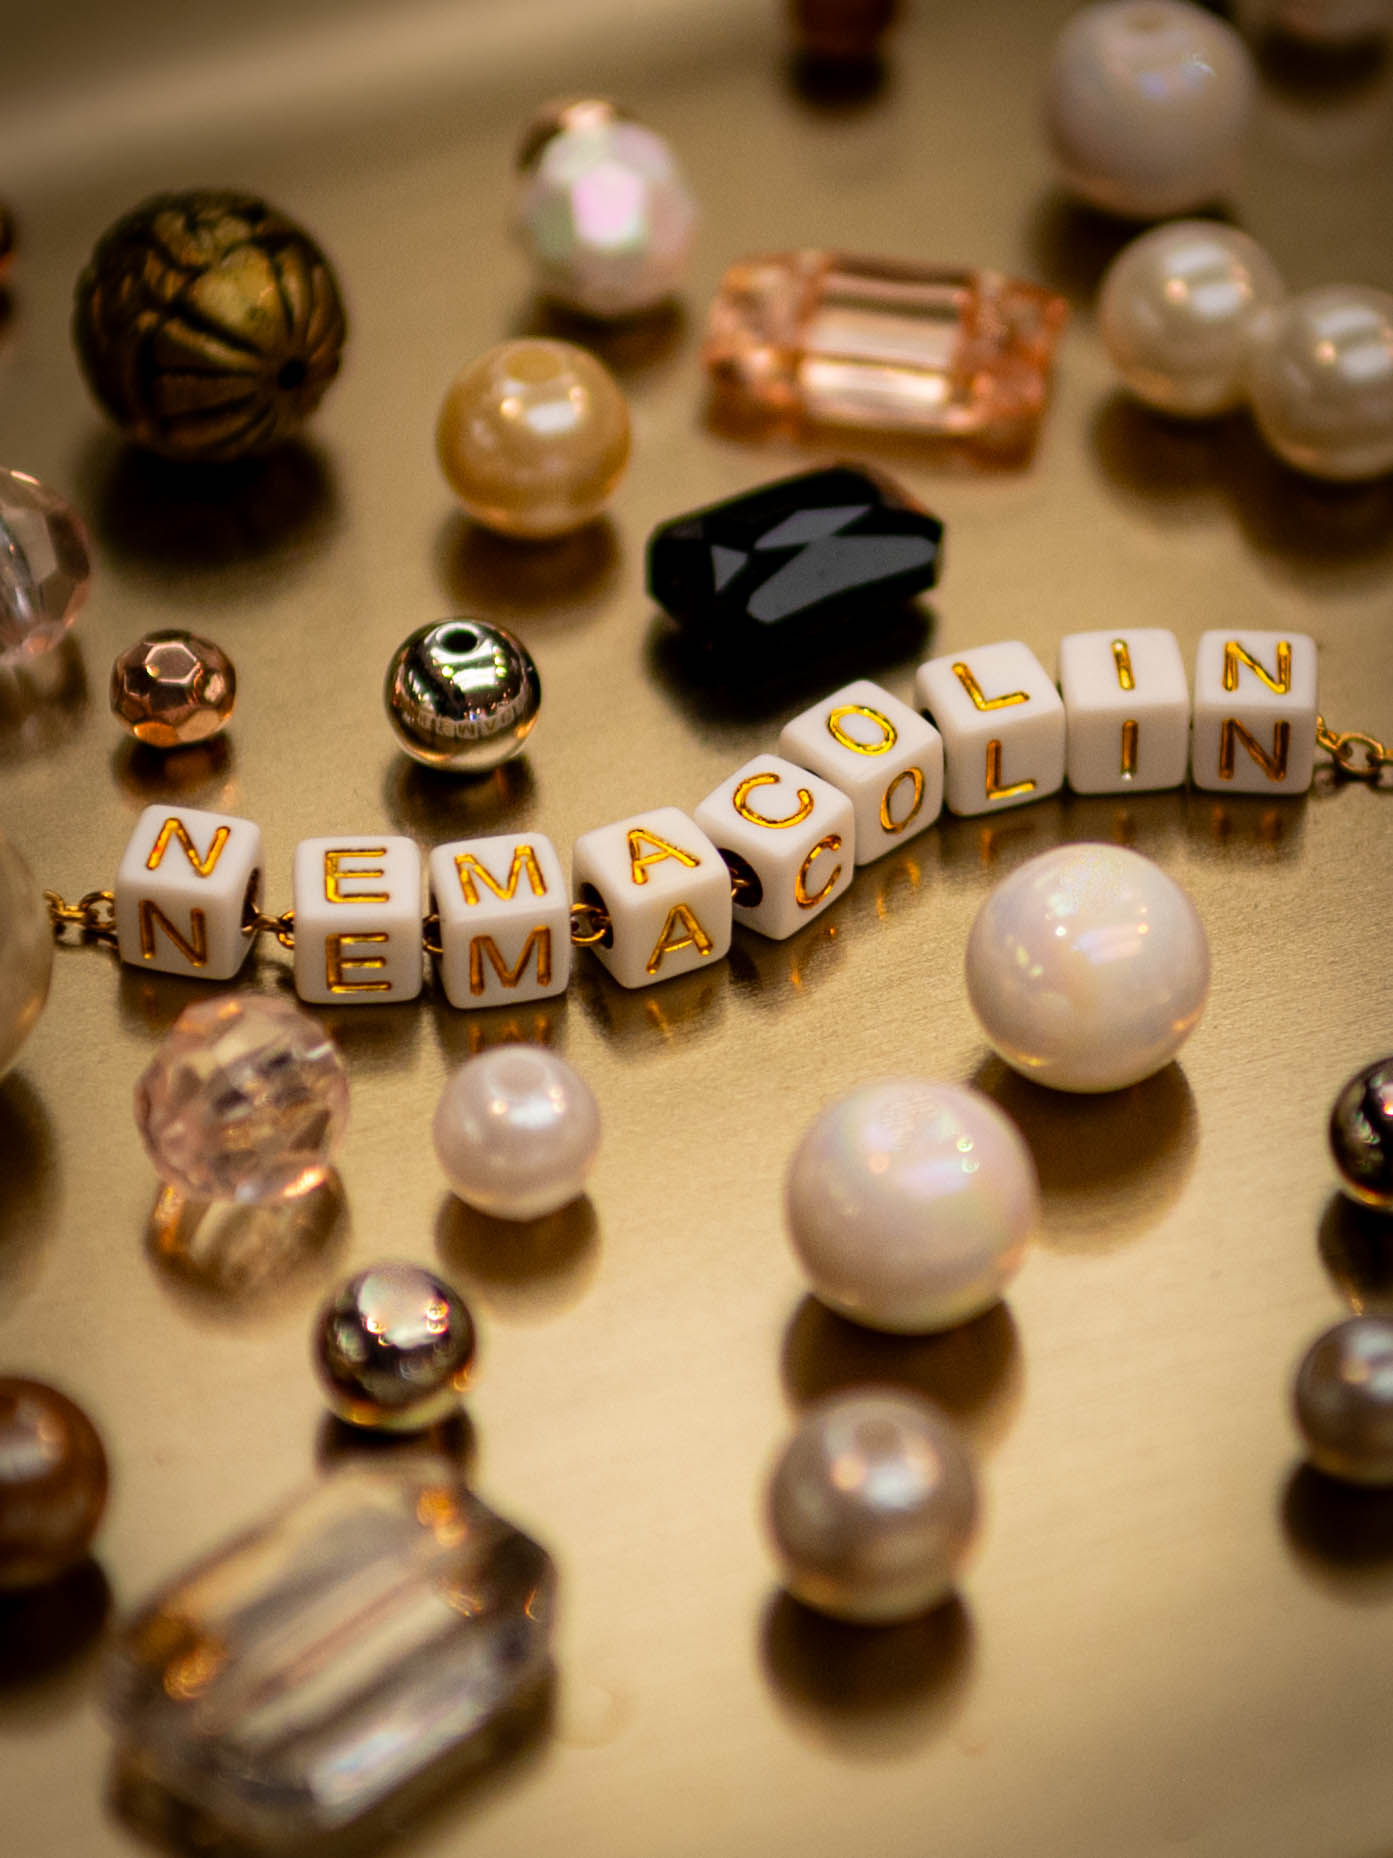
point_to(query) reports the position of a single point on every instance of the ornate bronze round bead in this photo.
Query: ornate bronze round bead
(208, 325)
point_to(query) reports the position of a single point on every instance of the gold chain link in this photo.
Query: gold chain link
(1356, 753)
(590, 924)
(282, 927)
(93, 915)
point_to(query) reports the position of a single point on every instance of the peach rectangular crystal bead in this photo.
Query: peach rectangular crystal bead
(872, 342)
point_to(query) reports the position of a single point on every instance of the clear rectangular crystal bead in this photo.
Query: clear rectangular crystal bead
(875, 343)
(307, 1672)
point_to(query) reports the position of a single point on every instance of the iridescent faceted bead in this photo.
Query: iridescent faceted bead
(245, 1100)
(44, 567)
(602, 209)
(462, 695)
(393, 1347)
(1361, 1135)
(26, 953)
(52, 1483)
(170, 688)
(297, 1680)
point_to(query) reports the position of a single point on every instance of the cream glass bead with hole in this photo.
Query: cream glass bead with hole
(909, 1204)
(1320, 378)
(1176, 309)
(1146, 105)
(516, 1131)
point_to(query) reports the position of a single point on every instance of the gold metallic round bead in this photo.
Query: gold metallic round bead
(52, 1483)
(393, 1347)
(171, 688)
(533, 438)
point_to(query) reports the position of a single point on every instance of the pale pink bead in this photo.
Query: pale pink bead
(44, 567)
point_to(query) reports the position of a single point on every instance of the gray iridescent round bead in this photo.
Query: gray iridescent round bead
(393, 1347)
(462, 695)
(1344, 1400)
(1361, 1135)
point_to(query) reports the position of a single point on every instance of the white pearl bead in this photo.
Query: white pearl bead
(516, 1131)
(1087, 967)
(26, 953)
(1344, 1400)
(872, 1507)
(909, 1204)
(1320, 376)
(1175, 311)
(1146, 104)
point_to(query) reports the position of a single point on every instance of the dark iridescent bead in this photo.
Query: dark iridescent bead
(1361, 1135)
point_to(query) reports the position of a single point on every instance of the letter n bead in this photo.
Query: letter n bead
(1255, 712)
(505, 919)
(1002, 722)
(357, 900)
(665, 889)
(880, 753)
(793, 833)
(184, 891)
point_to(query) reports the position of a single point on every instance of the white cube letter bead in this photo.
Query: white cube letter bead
(1002, 724)
(1126, 710)
(796, 834)
(880, 753)
(182, 892)
(505, 920)
(357, 901)
(1255, 712)
(666, 890)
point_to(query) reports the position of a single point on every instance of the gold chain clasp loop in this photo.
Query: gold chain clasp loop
(93, 915)
(590, 924)
(282, 927)
(430, 934)
(1356, 754)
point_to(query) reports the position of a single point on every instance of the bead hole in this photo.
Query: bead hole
(459, 641)
(744, 879)
(292, 374)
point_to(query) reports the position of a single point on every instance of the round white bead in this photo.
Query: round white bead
(516, 1131)
(1175, 311)
(26, 953)
(872, 1507)
(1146, 104)
(1344, 1400)
(1320, 377)
(909, 1204)
(1087, 967)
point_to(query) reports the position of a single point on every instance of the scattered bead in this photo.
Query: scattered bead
(533, 438)
(1361, 1135)
(1332, 23)
(1344, 1400)
(245, 1100)
(1320, 377)
(872, 1507)
(516, 1132)
(1146, 104)
(462, 695)
(26, 953)
(1087, 968)
(910, 1203)
(171, 688)
(393, 1347)
(208, 324)
(602, 210)
(53, 1480)
(1175, 312)
(45, 571)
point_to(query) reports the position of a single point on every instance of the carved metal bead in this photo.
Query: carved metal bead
(208, 325)
(171, 687)
(462, 695)
(393, 1347)
(1361, 1135)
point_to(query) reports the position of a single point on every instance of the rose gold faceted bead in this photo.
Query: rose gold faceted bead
(883, 345)
(52, 1483)
(171, 688)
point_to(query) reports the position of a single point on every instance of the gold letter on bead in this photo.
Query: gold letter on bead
(963, 673)
(806, 899)
(176, 829)
(1235, 654)
(524, 859)
(336, 962)
(1131, 733)
(334, 875)
(740, 800)
(481, 946)
(152, 917)
(1122, 659)
(669, 941)
(995, 791)
(1274, 766)
(640, 861)
(915, 776)
(889, 735)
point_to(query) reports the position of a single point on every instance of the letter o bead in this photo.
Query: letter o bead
(665, 890)
(884, 756)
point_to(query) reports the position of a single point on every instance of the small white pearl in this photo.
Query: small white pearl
(516, 1131)
(872, 1507)
(1146, 104)
(909, 1204)
(1087, 968)
(26, 953)
(1175, 311)
(1344, 1400)
(1320, 376)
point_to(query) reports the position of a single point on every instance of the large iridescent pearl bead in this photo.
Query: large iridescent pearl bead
(53, 1480)
(393, 1347)
(516, 1131)
(872, 1507)
(602, 210)
(1344, 1400)
(533, 437)
(245, 1100)
(26, 953)
(45, 569)
(1320, 379)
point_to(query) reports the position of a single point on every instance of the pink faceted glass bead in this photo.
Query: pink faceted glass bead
(245, 1100)
(44, 567)
(874, 343)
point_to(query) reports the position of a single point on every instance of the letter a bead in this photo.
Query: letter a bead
(665, 889)
(183, 889)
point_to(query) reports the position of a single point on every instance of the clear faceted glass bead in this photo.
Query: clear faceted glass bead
(44, 567)
(245, 1100)
(306, 1673)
